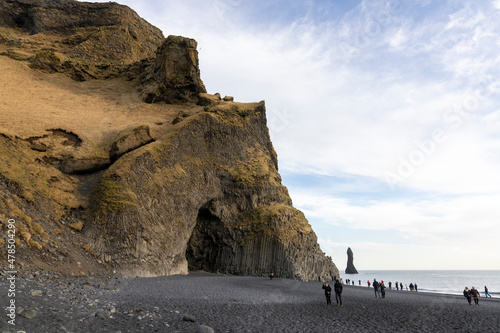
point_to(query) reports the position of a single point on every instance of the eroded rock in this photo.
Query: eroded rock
(350, 269)
(176, 74)
(132, 137)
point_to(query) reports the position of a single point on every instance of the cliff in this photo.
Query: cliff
(113, 156)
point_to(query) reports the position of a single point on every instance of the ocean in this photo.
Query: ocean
(435, 281)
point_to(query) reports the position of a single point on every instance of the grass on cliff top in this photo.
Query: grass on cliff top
(19, 164)
(33, 102)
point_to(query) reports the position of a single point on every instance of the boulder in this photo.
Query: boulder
(208, 99)
(204, 329)
(132, 137)
(189, 318)
(181, 115)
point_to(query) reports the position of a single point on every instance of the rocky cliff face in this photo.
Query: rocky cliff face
(156, 189)
(209, 194)
(85, 40)
(350, 269)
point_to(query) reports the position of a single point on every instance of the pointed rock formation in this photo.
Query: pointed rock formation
(350, 269)
(176, 73)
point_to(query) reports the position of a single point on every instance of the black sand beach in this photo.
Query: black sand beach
(223, 303)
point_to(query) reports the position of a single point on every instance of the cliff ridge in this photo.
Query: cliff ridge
(114, 156)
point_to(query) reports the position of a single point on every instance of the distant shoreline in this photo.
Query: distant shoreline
(424, 292)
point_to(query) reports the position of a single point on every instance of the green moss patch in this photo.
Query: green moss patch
(110, 196)
(280, 220)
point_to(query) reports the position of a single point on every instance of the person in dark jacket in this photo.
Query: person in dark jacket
(468, 295)
(338, 292)
(475, 294)
(486, 293)
(376, 286)
(328, 293)
(382, 289)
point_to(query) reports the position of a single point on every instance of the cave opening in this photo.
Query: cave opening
(207, 248)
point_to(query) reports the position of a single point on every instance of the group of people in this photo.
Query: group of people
(337, 287)
(397, 285)
(473, 293)
(379, 288)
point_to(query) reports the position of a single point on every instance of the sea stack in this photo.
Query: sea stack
(350, 269)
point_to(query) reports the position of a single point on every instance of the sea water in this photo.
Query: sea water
(436, 281)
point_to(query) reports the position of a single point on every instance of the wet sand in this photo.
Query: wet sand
(202, 302)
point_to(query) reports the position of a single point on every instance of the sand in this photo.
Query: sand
(228, 303)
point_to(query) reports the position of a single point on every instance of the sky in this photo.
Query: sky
(385, 115)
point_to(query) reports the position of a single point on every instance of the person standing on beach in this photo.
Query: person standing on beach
(486, 293)
(328, 293)
(475, 295)
(411, 286)
(368, 282)
(376, 286)
(468, 295)
(397, 285)
(382, 289)
(338, 292)
(401, 285)
(416, 287)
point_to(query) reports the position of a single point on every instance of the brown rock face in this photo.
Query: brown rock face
(87, 40)
(208, 196)
(152, 189)
(176, 73)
